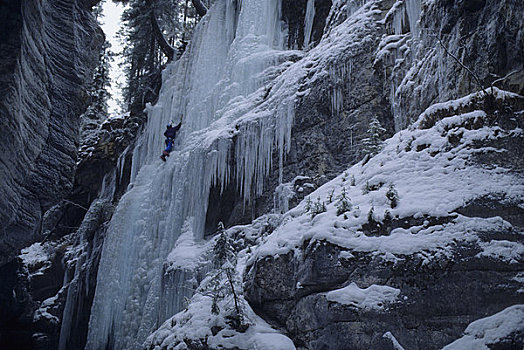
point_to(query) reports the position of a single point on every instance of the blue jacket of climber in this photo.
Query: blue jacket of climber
(170, 135)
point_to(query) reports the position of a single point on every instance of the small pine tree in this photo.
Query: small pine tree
(353, 181)
(223, 250)
(98, 91)
(371, 215)
(344, 203)
(366, 188)
(318, 207)
(224, 259)
(392, 195)
(388, 218)
(330, 196)
(309, 205)
(372, 143)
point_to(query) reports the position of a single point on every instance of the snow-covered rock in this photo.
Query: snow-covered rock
(454, 233)
(502, 330)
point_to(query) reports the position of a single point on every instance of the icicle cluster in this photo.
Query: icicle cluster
(354, 5)
(404, 32)
(221, 91)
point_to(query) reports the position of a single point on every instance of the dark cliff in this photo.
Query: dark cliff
(48, 51)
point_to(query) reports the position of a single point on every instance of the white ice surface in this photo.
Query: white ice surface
(218, 86)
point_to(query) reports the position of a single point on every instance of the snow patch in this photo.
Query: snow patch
(507, 251)
(373, 297)
(188, 253)
(36, 258)
(198, 324)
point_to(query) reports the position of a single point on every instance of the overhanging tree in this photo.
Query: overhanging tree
(153, 30)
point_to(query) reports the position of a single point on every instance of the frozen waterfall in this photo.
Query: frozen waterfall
(221, 88)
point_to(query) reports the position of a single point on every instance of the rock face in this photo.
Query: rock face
(49, 49)
(387, 63)
(401, 59)
(439, 300)
(439, 292)
(390, 60)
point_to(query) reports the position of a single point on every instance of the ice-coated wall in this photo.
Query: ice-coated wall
(219, 89)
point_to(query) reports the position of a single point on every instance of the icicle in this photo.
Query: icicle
(210, 87)
(308, 22)
(108, 185)
(413, 12)
(398, 21)
(121, 164)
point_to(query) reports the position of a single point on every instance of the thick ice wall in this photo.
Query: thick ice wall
(213, 86)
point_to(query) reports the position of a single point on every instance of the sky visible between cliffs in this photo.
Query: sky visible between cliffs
(111, 23)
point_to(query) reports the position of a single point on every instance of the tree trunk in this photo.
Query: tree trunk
(201, 9)
(167, 49)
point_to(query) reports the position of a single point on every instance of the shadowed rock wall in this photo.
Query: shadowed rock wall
(47, 52)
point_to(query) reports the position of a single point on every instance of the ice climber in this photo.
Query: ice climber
(170, 135)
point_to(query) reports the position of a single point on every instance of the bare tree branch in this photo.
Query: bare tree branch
(505, 77)
(464, 66)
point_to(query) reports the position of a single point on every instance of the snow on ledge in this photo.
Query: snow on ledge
(34, 255)
(188, 254)
(433, 178)
(510, 252)
(197, 321)
(424, 120)
(491, 330)
(373, 297)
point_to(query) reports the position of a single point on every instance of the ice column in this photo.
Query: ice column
(308, 22)
(413, 11)
(407, 10)
(213, 87)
